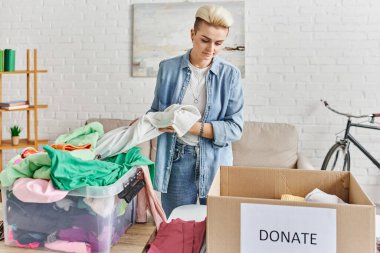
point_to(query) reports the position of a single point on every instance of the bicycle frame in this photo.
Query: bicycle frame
(348, 136)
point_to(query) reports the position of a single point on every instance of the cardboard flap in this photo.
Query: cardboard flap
(215, 187)
(271, 183)
(357, 195)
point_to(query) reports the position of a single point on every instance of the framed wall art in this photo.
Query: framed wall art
(162, 31)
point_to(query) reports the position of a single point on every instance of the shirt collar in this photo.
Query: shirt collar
(214, 65)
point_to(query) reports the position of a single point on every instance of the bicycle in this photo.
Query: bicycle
(338, 157)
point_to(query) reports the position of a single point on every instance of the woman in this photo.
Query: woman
(186, 166)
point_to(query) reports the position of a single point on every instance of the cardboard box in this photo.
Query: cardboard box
(232, 186)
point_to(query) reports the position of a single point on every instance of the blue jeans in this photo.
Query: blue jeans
(184, 179)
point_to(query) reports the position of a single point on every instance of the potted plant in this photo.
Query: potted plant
(15, 133)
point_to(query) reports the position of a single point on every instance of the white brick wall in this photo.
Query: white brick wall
(298, 51)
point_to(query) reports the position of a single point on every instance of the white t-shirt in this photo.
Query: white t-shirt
(195, 95)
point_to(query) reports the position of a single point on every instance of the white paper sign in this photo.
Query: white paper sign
(287, 229)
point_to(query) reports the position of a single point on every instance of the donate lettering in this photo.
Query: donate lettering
(288, 237)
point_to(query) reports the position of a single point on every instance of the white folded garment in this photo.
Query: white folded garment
(119, 140)
(101, 206)
(319, 196)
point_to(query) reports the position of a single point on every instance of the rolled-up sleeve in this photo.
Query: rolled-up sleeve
(231, 127)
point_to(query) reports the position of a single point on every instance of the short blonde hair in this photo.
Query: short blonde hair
(214, 15)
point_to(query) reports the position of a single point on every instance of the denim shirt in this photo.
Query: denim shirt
(224, 110)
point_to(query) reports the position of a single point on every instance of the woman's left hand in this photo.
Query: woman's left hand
(168, 129)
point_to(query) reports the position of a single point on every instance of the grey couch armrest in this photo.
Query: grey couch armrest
(304, 163)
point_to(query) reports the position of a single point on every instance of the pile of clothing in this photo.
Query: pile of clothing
(42, 212)
(73, 224)
(316, 196)
(70, 162)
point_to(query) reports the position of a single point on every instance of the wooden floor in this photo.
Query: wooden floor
(133, 241)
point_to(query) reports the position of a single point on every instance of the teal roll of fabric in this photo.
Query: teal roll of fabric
(9, 60)
(1, 60)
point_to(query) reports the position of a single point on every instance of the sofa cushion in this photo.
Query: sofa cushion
(267, 145)
(153, 149)
(109, 124)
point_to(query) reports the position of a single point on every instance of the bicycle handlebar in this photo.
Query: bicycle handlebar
(374, 115)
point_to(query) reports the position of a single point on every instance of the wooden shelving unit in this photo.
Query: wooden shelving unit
(31, 107)
(22, 72)
(24, 143)
(31, 76)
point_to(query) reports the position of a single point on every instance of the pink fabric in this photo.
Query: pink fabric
(32, 245)
(179, 236)
(72, 247)
(37, 191)
(147, 198)
(141, 214)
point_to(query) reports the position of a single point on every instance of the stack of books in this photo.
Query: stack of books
(14, 105)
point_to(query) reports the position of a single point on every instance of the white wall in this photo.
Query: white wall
(298, 51)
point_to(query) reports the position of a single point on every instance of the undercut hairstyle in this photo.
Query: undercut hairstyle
(213, 15)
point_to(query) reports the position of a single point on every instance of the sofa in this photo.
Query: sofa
(262, 145)
(269, 145)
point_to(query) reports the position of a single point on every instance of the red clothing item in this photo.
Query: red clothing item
(29, 151)
(32, 245)
(179, 236)
(199, 235)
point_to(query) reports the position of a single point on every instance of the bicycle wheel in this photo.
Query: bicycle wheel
(337, 158)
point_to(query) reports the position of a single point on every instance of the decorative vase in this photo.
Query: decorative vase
(15, 140)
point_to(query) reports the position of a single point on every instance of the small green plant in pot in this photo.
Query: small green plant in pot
(15, 133)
